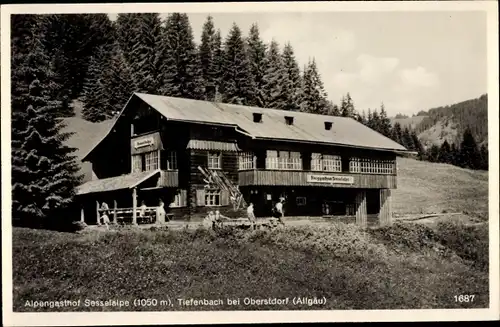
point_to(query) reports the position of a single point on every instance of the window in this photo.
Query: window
(326, 162)
(212, 198)
(301, 201)
(151, 160)
(283, 160)
(136, 163)
(179, 199)
(171, 163)
(369, 166)
(214, 160)
(246, 161)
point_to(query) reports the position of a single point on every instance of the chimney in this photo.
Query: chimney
(328, 125)
(289, 120)
(257, 117)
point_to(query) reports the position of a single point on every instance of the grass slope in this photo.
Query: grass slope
(425, 187)
(408, 266)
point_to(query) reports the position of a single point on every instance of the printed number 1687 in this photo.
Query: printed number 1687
(464, 298)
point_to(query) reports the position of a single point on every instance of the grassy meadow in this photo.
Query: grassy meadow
(410, 265)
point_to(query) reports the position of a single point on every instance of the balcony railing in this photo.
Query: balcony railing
(264, 177)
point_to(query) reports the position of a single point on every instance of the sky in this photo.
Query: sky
(410, 61)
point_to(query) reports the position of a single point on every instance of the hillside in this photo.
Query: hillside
(449, 122)
(410, 121)
(86, 135)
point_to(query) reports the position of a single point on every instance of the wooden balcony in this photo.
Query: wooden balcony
(168, 178)
(310, 178)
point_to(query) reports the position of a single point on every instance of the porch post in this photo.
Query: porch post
(134, 206)
(385, 215)
(115, 219)
(82, 215)
(97, 213)
(361, 216)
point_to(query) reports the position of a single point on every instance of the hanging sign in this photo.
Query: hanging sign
(330, 179)
(144, 142)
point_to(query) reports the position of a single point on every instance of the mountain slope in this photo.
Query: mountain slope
(449, 122)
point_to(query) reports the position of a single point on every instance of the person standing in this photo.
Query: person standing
(251, 215)
(279, 210)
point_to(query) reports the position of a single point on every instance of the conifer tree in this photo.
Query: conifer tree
(362, 118)
(385, 122)
(397, 133)
(181, 69)
(292, 82)
(256, 51)
(144, 59)
(335, 110)
(347, 107)
(469, 152)
(236, 85)
(444, 153)
(313, 94)
(433, 153)
(207, 58)
(376, 121)
(44, 173)
(218, 62)
(407, 139)
(454, 155)
(417, 145)
(274, 78)
(484, 157)
(126, 27)
(117, 82)
(94, 93)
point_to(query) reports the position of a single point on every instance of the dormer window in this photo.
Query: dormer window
(289, 120)
(328, 125)
(257, 117)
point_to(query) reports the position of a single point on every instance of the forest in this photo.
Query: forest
(59, 58)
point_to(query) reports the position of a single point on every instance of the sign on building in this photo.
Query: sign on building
(330, 179)
(144, 142)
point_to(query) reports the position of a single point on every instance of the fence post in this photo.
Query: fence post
(115, 218)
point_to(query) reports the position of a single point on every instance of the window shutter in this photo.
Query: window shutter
(224, 197)
(200, 197)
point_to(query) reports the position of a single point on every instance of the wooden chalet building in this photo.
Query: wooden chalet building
(162, 148)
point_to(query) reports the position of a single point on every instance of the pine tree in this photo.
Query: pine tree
(236, 84)
(218, 62)
(273, 86)
(444, 153)
(376, 121)
(44, 173)
(94, 93)
(292, 82)
(117, 83)
(385, 122)
(314, 96)
(181, 69)
(347, 107)
(469, 153)
(256, 51)
(144, 58)
(207, 58)
(126, 27)
(397, 133)
(335, 110)
(433, 153)
(407, 139)
(70, 40)
(454, 155)
(484, 157)
(417, 145)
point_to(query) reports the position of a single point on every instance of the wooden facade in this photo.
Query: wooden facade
(316, 178)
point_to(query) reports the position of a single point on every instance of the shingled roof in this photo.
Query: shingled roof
(306, 127)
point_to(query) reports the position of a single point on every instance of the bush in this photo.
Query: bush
(469, 242)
